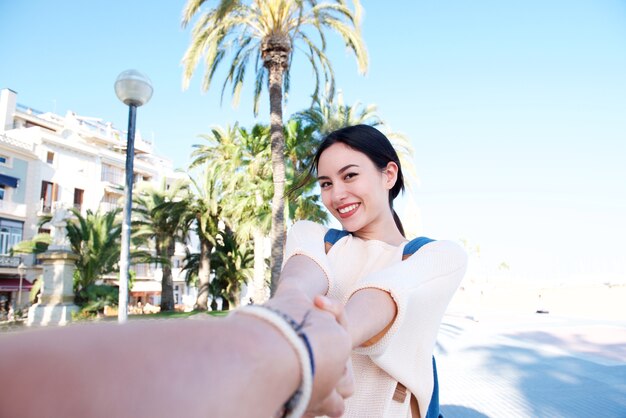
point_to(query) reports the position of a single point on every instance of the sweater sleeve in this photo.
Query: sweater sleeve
(307, 238)
(421, 286)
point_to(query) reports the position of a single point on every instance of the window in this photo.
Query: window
(1, 191)
(10, 234)
(110, 201)
(4, 160)
(112, 174)
(78, 198)
(49, 195)
(50, 157)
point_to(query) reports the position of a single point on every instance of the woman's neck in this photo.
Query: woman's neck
(384, 230)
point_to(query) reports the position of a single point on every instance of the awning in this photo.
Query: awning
(13, 284)
(141, 286)
(146, 286)
(8, 181)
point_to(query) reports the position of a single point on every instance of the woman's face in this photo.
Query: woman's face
(354, 190)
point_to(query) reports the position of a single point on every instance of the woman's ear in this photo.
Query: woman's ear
(391, 174)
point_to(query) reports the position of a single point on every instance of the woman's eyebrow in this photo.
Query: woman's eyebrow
(341, 170)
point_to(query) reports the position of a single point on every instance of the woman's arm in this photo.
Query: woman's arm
(303, 275)
(306, 271)
(236, 366)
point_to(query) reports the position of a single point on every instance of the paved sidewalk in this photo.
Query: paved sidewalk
(531, 365)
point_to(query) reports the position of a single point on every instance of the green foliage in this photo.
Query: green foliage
(268, 33)
(34, 290)
(232, 263)
(37, 245)
(94, 297)
(162, 216)
(95, 238)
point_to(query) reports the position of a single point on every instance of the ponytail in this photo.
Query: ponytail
(396, 219)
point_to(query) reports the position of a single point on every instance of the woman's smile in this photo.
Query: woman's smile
(348, 210)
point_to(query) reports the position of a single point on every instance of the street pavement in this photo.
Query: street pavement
(508, 365)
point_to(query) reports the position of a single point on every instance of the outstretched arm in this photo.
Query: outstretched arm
(234, 366)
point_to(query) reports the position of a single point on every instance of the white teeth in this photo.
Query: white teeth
(348, 208)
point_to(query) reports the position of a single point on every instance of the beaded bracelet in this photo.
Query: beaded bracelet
(292, 331)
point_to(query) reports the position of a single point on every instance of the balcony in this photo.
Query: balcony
(9, 262)
(13, 209)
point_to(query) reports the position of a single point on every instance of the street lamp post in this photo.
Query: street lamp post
(133, 89)
(21, 269)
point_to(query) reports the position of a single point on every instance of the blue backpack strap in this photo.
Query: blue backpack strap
(433, 407)
(332, 236)
(414, 245)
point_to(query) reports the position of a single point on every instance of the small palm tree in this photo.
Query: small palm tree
(205, 211)
(269, 31)
(95, 238)
(232, 263)
(161, 215)
(238, 161)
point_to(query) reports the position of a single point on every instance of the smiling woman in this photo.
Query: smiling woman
(395, 291)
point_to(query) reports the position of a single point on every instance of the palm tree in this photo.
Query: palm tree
(302, 202)
(238, 161)
(205, 210)
(330, 113)
(162, 216)
(232, 263)
(94, 238)
(269, 31)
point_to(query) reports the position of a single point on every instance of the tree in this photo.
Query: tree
(238, 161)
(162, 216)
(232, 263)
(330, 113)
(302, 202)
(204, 209)
(269, 31)
(95, 238)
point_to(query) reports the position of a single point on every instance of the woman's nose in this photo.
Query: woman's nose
(339, 192)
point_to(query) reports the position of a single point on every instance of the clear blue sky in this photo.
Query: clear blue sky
(516, 110)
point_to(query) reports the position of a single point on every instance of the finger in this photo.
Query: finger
(345, 385)
(333, 406)
(334, 307)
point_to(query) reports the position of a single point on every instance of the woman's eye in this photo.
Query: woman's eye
(350, 175)
(325, 184)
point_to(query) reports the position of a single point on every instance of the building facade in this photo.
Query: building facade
(48, 160)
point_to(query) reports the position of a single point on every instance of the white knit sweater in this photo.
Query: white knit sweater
(421, 286)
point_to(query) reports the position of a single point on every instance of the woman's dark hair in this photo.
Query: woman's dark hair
(371, 142)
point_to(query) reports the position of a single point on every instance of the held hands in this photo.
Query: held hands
(333, 404)
(331, 344)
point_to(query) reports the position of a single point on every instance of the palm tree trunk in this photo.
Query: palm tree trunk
(276, 72)
(167, 283)
(259, 292)
(204, 275)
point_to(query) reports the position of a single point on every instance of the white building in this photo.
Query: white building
(74, 161)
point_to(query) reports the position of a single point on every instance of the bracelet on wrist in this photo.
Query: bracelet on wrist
(294, 334)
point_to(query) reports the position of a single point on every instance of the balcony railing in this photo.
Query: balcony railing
(8, 261)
